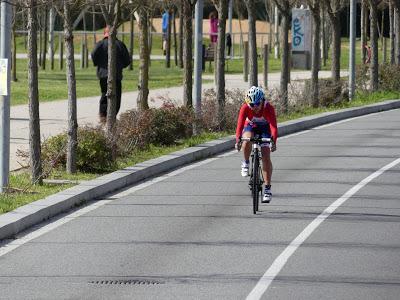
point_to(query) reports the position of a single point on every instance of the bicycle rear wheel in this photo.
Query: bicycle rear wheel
(255, 184)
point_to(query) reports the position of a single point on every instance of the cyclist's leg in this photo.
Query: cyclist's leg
(246, 146)
(266, 165)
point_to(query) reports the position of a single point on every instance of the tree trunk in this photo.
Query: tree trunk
(111, 84)
(222, 8)
(285, 62)
(181, 35)
(316, 57)
(168, 50)
(187, 53)
(14, 47)
(131, 41)
(374, 45)
(336, 45)
(174, 34)
(51, 37)
(44, 48)
(391, 34)
(94, 25)
(276, 36)
(33, 96)
(363, 30)
(143, 87)
(397, 33)
(323, 35)
(71, 83)
(253, 70)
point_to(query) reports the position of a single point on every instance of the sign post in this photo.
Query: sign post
(301, 38)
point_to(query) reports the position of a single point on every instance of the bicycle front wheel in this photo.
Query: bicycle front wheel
(255, 183)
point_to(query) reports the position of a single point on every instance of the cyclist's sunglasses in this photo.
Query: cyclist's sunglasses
(254, 105)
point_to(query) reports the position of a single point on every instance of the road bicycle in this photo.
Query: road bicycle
(255, 172)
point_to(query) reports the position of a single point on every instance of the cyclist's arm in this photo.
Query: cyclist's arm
(271, 118)
(240, 122)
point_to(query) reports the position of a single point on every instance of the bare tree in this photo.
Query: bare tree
(315, 12)
(334, 8)
(396, 5)
(64, 10)
(45, 27)
(188, 8)
(181, 34)
(373, 4)
(222, 8)
(391, 34)
(15, 9)
(111, 11)
(284, 7)
(33, 95)
(143, 87)
(251, 11)
(364, 21)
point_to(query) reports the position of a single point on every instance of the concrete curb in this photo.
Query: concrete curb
(28, 215)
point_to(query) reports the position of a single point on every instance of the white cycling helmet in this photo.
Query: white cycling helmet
(255, 95)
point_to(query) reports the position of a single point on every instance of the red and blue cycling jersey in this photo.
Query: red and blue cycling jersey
(265, 118)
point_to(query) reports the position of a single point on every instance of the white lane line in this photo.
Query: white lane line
(14, 244)
(281, 260)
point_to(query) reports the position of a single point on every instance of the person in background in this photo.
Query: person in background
(228, 44)
(213, 27)
(100, 59)
(165, 22)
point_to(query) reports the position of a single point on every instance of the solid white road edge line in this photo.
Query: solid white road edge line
(281, 260)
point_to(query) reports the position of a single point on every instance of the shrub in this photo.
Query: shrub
(170, 123)
(389, 77)
(362, 78)
(93, 153)
(158, 126)
(210, 121)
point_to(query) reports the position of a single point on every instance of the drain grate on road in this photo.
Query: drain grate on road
(126, 282)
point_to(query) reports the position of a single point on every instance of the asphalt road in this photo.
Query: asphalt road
(191, 234)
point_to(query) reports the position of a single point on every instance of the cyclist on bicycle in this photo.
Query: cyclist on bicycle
(257, 115)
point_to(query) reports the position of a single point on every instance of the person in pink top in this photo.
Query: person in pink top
(213, 27)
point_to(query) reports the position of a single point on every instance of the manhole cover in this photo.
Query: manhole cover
(126, 282)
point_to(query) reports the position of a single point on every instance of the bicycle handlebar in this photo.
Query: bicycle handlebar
(257, 140)
(253, 139)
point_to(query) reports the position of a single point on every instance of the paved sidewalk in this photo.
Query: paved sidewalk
(53, 115)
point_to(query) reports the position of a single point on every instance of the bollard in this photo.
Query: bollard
(266, 57)
(246, 61)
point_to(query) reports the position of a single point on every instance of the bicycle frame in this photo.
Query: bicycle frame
(256, 177)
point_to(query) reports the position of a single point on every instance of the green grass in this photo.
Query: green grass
(53, 86)
(23, 192)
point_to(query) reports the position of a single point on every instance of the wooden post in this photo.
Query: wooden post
(61, 49)
(215, 63)
(384, 50)
(246, 61)
(131, 41)
(82, 52)
(266, 57)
